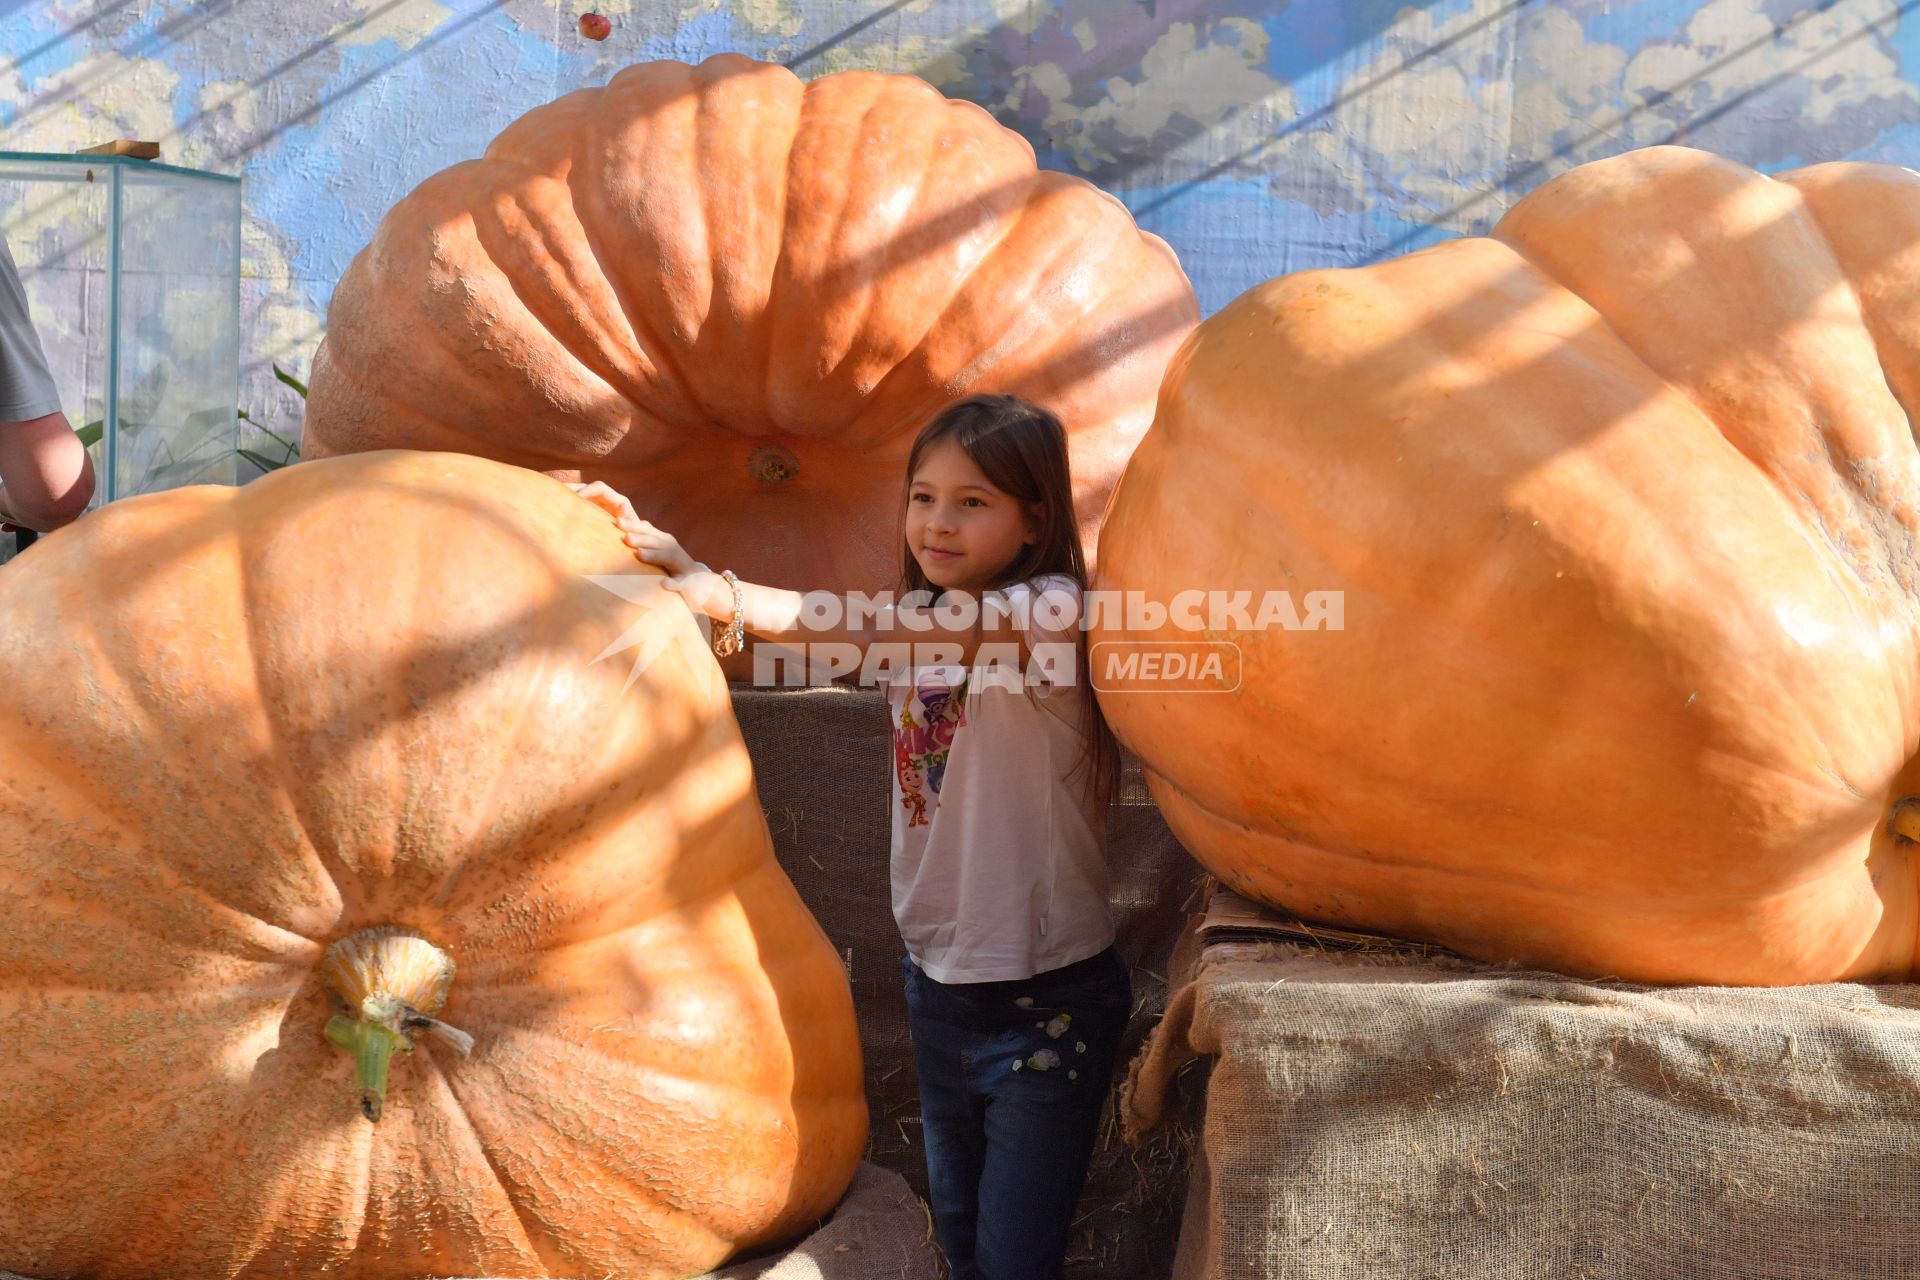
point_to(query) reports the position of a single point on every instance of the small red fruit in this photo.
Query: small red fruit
(595, 27)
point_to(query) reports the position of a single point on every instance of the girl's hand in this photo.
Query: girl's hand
(705, 592)
(655, 546)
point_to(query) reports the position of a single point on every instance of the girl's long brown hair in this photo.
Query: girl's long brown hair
(1022, 450)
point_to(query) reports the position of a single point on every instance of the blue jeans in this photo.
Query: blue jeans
(1013, 1076)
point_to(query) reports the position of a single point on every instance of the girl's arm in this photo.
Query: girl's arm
(796, 618)
(914, 635)
(768, 612)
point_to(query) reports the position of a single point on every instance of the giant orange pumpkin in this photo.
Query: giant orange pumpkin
(1621, 501)
(735, 297)
(355, 921)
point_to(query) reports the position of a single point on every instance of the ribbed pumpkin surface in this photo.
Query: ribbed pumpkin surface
(237, 726)
(735, 297)
(1623, 503)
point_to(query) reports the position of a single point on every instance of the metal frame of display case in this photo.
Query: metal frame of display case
(116, 168)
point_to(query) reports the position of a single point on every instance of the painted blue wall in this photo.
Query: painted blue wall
(1257, 136)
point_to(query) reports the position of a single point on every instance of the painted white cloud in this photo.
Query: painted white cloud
(1426, 121)
(1816, 84)
(106, 96)
(935, 61)
(637, 20)
(96, 100)
(778, 18)
(371, 21)
(1200, 98)
(227, 114)
(1579, 95)
(1022, 16)
(1449, 129)
(1455, 119)
(111, 94)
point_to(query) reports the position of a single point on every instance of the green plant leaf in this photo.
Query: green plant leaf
(290, 380)
(181, 471)
(91, 433)
(138, 402)
(265, 464)
(291, 446)
(205, 419)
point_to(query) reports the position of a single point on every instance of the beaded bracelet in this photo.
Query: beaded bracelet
(730, 640)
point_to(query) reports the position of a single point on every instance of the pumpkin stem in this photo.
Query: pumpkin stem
(1906, 819)
(395, 980)
(773, 465)
(372, 1046)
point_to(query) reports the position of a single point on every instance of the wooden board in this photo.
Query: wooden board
(1231, 918)
(123, 147)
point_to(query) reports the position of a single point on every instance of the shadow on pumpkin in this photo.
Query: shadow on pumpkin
(1450, 429)
(1115, 321)
(542, 941)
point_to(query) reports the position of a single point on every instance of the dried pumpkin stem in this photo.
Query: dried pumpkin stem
(394, 980)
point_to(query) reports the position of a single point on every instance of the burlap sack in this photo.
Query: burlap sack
(1373, 1116)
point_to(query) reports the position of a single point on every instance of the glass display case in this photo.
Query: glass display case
(132, 275)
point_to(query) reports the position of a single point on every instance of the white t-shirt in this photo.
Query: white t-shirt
(26, 388)
(999, 869)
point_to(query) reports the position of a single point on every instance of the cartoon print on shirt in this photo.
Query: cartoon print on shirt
(912, 778)
(922, 743)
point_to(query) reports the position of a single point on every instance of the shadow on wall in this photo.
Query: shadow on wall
(238, 153)
(1006, 57)
(1083, 49)
(1527, 174)
(1089, 48)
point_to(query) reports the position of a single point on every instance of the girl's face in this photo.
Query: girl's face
(961, 529)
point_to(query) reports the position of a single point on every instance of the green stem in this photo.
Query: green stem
(372, 1046)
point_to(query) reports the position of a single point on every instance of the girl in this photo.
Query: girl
(1016, 997)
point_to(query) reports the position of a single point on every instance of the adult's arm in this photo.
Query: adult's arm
(46, 478)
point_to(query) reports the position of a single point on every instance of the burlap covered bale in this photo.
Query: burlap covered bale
(1372, 1115)
(823, 763)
